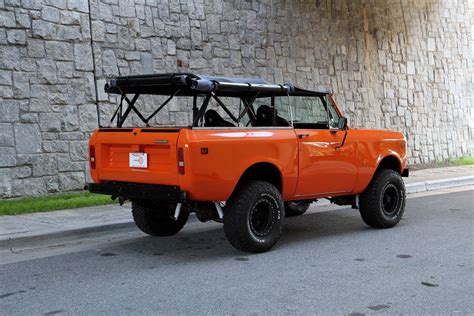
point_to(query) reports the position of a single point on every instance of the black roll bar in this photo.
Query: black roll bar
(131, 106)
(161, 106)
(118, 111)
(248, 105)
(236, 120)
(202, 110)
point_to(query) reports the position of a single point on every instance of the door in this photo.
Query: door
(326, 165)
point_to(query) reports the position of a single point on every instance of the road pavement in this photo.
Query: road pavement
(328, 262)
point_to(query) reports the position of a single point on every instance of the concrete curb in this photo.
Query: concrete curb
(65, 235)
(70, 234)
(431, 185)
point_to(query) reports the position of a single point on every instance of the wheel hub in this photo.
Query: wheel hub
(390, 199)
(261, 218)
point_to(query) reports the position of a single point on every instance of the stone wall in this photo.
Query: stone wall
(404, 65)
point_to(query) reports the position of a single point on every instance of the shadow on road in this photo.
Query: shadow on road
(208, 244)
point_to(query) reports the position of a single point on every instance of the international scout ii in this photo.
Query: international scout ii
(252, 153)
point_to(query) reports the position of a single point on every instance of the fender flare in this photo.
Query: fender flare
(271, 165)
(392, 155)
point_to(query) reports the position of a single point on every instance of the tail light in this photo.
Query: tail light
(180, 161)
(92, 157)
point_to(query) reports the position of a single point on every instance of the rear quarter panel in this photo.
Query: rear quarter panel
(213, 176)
(375, 145)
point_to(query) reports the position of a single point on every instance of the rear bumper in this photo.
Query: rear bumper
(138, 191)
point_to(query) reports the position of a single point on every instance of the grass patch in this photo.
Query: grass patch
(463, 161)
(52, 203)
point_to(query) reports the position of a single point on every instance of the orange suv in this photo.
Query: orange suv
(253, 153)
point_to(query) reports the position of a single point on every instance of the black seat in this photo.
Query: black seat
(265, 117)
(213, 119)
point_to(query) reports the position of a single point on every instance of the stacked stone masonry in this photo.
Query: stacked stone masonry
(406, 65)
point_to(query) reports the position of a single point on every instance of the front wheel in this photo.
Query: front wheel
(253, 217)
(382, 203)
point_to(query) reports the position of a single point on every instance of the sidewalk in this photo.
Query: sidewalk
(439, 178)
(21, 229)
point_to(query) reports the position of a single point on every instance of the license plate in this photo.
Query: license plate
(138, 160)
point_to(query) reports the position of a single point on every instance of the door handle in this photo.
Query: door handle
(302, 135)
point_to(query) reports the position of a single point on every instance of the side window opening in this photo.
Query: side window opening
(228, 112)
(216, 116)
(264, 112)
(269, 112)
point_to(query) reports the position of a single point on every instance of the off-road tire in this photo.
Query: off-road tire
(296, 208)
(253, 217)
(382, 203)
(156, 218)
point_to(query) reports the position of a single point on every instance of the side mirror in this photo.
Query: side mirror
(342, 124)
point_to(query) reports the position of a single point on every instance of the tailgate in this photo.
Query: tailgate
(141, 155)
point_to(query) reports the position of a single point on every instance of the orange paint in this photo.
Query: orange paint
(312, 166)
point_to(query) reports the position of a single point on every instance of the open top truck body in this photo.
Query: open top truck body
(294, 141)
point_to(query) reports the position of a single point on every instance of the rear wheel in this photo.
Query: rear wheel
(253, 217)
(382, 204)
(156, 218)
(296, 208)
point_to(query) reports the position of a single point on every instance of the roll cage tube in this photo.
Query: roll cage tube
(236, 120)
(249, 109)
(131, 106)
(202, 110)
(198, 112)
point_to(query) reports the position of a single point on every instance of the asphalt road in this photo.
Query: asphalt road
(327, 263)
